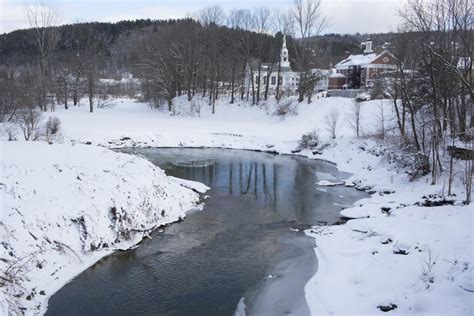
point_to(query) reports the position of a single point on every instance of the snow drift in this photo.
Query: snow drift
(64, 207)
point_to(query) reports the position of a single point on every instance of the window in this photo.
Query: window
(297, 79)
(273, 80)
(280, 80)
(257, 78)
(264, 80)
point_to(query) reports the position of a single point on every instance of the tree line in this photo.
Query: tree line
(172, 57)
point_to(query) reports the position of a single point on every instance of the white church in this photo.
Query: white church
(289, 79)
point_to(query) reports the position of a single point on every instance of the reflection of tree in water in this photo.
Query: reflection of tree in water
(249, 179)
(275, 186)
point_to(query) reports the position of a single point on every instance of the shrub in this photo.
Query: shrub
(53, 125)
(406, 157)
(309, 140)
(10, 131)
(103, 102)
(285, 107)
(51, 130)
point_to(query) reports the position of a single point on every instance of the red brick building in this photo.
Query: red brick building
(360, 71)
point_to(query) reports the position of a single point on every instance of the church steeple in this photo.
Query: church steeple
(284, 58)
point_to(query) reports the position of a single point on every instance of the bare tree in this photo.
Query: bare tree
(444, 71)
(355, 117)
(211, 15)
(43, 18)
(381, 118)
(309, 22)
(332, 122)
(28, 119)
(159, 66)
(63, 80)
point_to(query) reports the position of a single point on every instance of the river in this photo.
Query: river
(245, 252)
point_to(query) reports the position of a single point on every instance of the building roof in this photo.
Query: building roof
(357, 60)
(360, 59)
(336, 75)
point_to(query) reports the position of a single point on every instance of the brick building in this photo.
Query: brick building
(360, 71)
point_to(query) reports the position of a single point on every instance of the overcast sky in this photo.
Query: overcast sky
(345, 16)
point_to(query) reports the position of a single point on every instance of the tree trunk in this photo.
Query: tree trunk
(277, 94)
(232, 84)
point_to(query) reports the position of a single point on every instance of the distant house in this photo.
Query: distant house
(360, 71)
(323, 79)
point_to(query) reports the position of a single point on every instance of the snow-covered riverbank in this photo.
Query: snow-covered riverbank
(64, 207)
(394, 253)
(379, 260)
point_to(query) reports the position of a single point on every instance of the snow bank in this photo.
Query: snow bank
(64, 207)
(393, 255)
(363, 264)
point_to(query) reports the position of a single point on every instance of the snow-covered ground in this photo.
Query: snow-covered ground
(64, 207)
(361, 260)
(393, 252)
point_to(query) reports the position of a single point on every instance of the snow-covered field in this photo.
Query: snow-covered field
(383, 258)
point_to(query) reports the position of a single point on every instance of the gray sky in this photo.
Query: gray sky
(345, 16)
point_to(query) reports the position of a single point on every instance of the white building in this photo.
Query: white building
(289, 79)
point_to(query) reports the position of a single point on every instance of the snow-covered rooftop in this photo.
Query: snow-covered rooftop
(336, 75)
(357, 60)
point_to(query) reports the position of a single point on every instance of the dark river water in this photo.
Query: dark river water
(243, 254)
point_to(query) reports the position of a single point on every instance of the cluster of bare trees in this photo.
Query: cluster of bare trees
(214, 50)
(53, 76)
(208, 54)
(432, 88)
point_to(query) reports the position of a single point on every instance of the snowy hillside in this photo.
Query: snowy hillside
(64, 207)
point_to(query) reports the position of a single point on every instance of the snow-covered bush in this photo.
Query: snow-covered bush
(428, 262)
(103, 101)
(28, 119)
(414, 163)
(53, 125)
(362, 97)
(309, 140)
(10, 131)
(285, 107)
(52, 129)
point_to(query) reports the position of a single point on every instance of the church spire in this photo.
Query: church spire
(284, 57)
